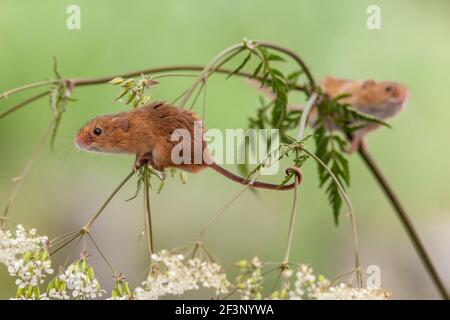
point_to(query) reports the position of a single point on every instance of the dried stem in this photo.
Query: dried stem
(101, 253)
(298, 180)
(87, 226)
(5, 94)
(18, 180)
(350, 215)
(405, 220)
(148, 213)
(23, 104)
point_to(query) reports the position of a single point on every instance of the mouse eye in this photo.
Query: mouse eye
(97, 131)
(388, 89)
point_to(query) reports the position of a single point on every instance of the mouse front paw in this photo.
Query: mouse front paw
(141, 161)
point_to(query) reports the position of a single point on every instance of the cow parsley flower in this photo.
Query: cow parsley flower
(300, 284)
(170, 274)
(77, 281)
(26, 258)
(249, 282)
(18, 243)
(346, 292)
(307, 284)
(121, 289)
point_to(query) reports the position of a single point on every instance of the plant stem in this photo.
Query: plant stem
(111, 196)
(293, 55)
(350, 215)
(405, 220)
(23, 103)
(291, 225)
(18, 180)
(5, 94)
(210, 68)
(311, 102)
(101, 253)
(148, 213)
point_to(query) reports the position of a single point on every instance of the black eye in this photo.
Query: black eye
(388, 89)
(97, 131)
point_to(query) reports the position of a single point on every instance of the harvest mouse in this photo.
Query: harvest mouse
(382, 100)
(147, 133)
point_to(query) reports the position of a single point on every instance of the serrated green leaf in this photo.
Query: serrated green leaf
(242, 65)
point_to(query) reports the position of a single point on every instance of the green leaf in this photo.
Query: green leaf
(257, 69)
(242, 65)
(275, 57)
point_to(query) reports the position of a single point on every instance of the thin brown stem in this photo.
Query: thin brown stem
(23, 104)
(148, 213)
(350, 215)
(293, 55)
(298, 179)
(101, 253)
(18, 180)
(405, 220)
(107, 201)
(5, 94)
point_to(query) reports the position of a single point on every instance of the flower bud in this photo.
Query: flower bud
(116, 81)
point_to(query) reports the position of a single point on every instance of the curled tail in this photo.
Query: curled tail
(256, 184)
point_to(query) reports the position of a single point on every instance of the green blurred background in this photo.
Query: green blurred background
(65, 187)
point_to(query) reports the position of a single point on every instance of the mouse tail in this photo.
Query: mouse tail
(256, 184)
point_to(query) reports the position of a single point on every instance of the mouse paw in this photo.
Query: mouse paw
(137, 165)
(140, 162)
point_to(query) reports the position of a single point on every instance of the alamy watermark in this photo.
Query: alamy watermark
(237, 146)
(374, 18)
(73, 21)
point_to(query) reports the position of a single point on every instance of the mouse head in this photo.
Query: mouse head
(385, 94)
(108, 133)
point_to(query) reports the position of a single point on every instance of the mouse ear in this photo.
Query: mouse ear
(122, 122)
(368, 84)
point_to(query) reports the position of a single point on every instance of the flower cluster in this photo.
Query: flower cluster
(303, 284)
(24, 254)
(18, 243)
(121, 289)
(77, 281)
(346, 292)
(307, 284)
(249, 282)
(171, 274)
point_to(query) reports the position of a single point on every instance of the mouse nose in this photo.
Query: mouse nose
(78, 138)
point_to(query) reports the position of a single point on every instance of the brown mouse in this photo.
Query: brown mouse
(381, 99)
(146, 132)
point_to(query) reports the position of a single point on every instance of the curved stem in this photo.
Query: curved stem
(350, 214)
(293, 55)
(405, 220)
(210, 68)
(304, 117)
(79, 82)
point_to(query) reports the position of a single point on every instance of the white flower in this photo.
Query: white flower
(249, 283)
(13, 245)
(209, 274)
(77, 282)
(25, 256)
(345, 292)
(171, 275)
(307, 284)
